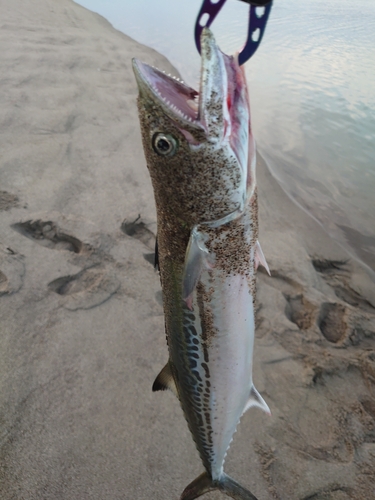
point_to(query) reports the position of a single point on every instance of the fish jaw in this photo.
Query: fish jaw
(217, 118)
(174, 98)
(224, 108)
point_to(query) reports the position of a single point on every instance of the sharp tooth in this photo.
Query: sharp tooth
(192, 104)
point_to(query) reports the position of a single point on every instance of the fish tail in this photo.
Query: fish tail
(204, 483)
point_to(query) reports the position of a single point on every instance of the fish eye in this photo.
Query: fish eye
(164, 144)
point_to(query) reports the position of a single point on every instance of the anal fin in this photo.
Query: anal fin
(165, 381)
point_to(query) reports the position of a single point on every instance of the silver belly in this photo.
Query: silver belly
(213, 371)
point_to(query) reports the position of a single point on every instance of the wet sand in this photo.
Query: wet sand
(80, 304)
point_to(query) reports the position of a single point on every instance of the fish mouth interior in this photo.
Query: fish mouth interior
(176, 96)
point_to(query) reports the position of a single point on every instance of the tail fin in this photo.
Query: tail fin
(203, 484)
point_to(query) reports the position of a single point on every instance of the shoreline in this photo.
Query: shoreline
(335, 219)
(82, 335)
(353, 252)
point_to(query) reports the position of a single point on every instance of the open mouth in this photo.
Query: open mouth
(220, 109)
(213, 107)
(171, 92)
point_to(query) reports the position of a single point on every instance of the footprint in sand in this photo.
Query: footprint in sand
(49, 235)
(12, 270)
(327, 266)
(329, 418)
(87, 289)
(347, 321)
(139, 230)
(300, 311)
(336, 274)
(332, 322)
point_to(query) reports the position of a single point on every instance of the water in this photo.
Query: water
(312, 92)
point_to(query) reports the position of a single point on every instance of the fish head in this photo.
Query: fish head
(198, 145)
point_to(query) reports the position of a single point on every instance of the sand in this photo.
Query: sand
(82, 335)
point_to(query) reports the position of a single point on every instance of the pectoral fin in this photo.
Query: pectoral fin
(165, 381)
(256, 399)
(260, 258)
(196, 258)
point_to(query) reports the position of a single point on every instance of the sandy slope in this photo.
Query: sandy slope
(81, 322)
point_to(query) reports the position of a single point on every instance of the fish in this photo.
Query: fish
(201, 157)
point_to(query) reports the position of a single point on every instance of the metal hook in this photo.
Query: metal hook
(257, 24)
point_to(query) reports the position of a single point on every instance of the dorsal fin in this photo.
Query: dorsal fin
(165, 381)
